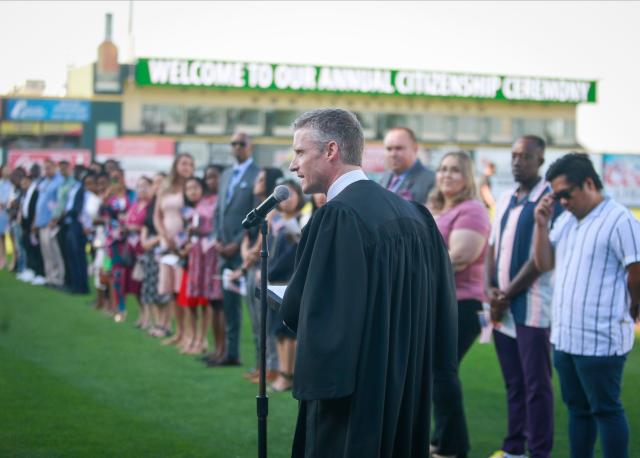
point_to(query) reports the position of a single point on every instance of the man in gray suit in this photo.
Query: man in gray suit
(407, 177)
(235, 200)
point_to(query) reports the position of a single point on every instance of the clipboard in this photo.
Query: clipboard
(275, 293)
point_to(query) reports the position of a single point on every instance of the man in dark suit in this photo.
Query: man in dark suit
(407, 176)
(235, 200)
(75, 238)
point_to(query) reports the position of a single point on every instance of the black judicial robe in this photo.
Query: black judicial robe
(372, 301)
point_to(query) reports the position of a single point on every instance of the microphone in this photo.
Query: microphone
(256, 215)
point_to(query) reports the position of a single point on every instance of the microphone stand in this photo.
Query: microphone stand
(262, 401)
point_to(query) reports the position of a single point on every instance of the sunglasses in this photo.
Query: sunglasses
(240, 144)
(564, 194)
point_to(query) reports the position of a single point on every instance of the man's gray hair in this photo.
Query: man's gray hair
(334, 124)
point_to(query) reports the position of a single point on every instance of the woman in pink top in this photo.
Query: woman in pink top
(170, 228)
(134, 220)
(464, 224)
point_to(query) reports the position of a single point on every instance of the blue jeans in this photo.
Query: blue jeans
(590, 388)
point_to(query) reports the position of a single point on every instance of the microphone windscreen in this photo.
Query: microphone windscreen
(281, 193)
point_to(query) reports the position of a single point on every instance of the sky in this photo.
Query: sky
(588, 40)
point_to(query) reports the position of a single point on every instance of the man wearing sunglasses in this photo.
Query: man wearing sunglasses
(235, 200)
(595, 249)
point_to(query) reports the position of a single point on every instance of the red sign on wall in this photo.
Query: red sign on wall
(27, 157)
(135, 146)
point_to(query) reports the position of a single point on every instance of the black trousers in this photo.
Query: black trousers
(75, 246)
(34, 255)
(451, 436)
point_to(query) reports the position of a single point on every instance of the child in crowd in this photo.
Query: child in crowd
(201, 280)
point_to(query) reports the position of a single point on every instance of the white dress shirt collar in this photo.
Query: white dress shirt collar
(343, 181)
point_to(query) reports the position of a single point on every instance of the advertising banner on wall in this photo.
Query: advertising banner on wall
(332, 79)
(137, 155)
(27, 157)
(48, 110)
(134, 146)
(621, 178)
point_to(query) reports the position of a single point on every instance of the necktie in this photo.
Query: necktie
(393, 182)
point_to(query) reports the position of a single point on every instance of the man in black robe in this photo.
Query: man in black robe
(372, 301)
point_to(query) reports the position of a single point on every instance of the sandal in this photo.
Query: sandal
(286, 385)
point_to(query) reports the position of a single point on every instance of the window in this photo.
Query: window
(561, 131)
(162, 119)
(206, 120)
(500, 130)
(437, 127)
(368, 123)
(534, 127)
(250, 121)
(282, 121)
(469, 128)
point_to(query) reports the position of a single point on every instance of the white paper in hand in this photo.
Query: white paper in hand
(236, 286)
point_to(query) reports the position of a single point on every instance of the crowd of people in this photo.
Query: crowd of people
(171, 244)
(558, 266)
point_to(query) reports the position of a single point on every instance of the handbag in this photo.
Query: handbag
(137, 273)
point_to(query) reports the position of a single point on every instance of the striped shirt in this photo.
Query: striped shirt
(590, 313)
(512, 239)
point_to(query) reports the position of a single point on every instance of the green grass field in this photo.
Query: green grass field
(76, 384)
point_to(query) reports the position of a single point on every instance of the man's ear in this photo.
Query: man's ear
(332, 151)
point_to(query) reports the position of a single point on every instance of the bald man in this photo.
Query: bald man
(406, 176)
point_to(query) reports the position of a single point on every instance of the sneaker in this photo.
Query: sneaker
(39, 281)
(26, 276)
(503, 454)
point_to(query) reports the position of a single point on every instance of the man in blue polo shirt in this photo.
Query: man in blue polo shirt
(47, 227)
(516, 289)
(595, 248)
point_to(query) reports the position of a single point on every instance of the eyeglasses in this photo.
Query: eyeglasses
(564, 194)
(240, 144)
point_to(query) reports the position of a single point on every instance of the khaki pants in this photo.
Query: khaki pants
(52, 256)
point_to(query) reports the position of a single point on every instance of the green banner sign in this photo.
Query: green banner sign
(328, 79)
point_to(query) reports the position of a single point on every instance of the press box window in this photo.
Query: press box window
(251, 122)
(469, 129)
(368, 123)
(437, 127)
(282, 122)
(206, 120)
(163, 119)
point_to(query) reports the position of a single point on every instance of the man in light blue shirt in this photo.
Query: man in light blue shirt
(47, 227)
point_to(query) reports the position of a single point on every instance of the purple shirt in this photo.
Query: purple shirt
(472, 215)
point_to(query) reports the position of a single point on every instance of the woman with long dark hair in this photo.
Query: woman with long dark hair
(150, 240)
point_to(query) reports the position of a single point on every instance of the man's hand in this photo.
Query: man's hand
(544, 211)
(235, 275)
(499, 304)
(53, 222)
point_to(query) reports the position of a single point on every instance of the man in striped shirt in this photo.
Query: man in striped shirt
(595, 248)
(513, 283)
